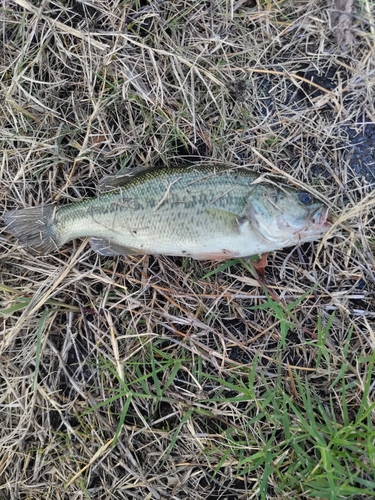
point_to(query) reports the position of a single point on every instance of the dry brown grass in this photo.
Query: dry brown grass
(156, 377)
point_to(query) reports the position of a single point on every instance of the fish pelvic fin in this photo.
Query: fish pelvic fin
(34, 227)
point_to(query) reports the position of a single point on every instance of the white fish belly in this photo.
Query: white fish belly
(219, 246)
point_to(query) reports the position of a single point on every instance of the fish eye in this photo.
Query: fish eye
(305, 198)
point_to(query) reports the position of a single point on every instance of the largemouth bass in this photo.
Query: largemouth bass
(203, 212)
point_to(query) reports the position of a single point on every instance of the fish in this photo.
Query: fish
(206, 212)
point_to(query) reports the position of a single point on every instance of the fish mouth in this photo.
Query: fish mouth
(320, 218)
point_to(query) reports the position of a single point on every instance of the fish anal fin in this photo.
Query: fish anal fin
(108, 249)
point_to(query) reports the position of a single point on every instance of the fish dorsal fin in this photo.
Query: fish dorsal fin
(115, 181)
(108, 248)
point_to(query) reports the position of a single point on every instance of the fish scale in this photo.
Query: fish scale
(168, 204)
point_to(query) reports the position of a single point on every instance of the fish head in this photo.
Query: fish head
(286, 216)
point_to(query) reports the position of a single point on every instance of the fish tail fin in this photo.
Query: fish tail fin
(34, 227)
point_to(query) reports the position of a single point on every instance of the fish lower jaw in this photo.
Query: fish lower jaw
(310, 237)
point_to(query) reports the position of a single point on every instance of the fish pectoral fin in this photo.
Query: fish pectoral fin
(227, 220)
(108, 248)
